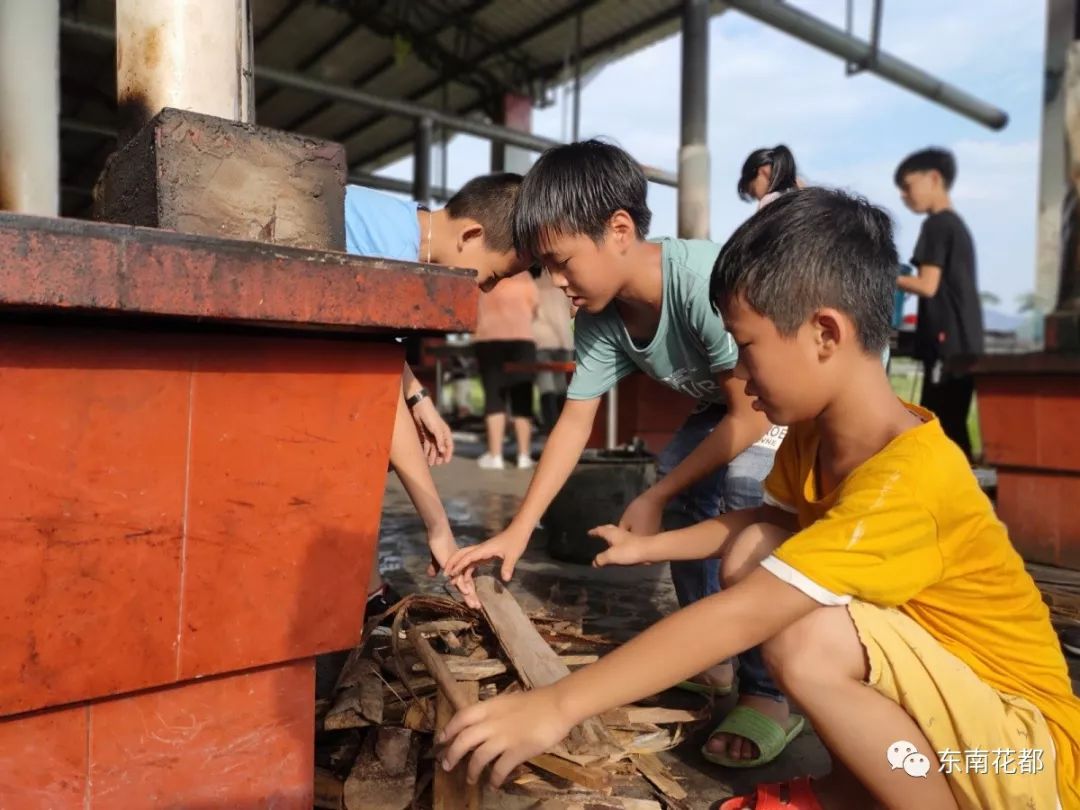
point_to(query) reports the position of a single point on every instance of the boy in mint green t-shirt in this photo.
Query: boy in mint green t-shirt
(644, 305)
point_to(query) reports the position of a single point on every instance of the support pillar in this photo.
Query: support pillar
(1053, 174)
(422, 162)
(694, 149)
(194, 55)
(30, 106)
(516, 114)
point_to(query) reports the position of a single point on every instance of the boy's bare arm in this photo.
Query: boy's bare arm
(699, 542)
(740, 428)
(925, 284)
(561, 455)
(508, 730)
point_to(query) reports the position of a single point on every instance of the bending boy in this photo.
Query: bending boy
(644, 306)
(473, 230)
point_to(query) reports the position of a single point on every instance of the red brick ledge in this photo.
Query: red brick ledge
(52, 265)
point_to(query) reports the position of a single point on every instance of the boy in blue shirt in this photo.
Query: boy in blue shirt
(473, 230)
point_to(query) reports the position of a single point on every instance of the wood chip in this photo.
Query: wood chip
(635, 715)
(392, 747)
(589, 776)
(650, 766)
(420, 716)
(345, 713)
(329, 790)
(370, 787)
(433, 629)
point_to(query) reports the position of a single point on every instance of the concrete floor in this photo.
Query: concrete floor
(618, 602)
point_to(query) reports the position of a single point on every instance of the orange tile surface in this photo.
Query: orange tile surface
(1040, 511)
(240, 742)
(92, 458)
(181, 504)
(1007, 407)
(43, 761)
(1031, 420)
(289, 448)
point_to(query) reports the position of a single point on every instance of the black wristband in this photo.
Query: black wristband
(415, 398)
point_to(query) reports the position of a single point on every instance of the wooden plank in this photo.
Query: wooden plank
(579, 660)
(650, 766)
(439, 671)
(586, 775)
(639, 715)
(460, 698)
(536, 663)
(451, 789)
(466, 669)
(371, 693)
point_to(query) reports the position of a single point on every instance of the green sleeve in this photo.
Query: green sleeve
(601, 362)
(707, 324)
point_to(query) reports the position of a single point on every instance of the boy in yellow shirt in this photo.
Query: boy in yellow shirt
(891, 606)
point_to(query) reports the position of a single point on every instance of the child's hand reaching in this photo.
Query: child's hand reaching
(624, 548)
(442, 546)
(506, 731)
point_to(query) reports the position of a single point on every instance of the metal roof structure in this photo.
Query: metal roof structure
(459, 56)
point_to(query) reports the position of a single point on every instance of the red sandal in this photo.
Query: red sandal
(794, 795)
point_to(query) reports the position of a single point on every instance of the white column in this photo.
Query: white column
(30, 106)
(188, 54)
(1053, 169)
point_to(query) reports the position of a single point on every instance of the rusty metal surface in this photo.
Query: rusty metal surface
(55, 265)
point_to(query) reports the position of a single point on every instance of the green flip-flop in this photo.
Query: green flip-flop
(706, 689)
(769, 736)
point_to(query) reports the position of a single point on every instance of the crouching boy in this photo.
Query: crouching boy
(888, 599)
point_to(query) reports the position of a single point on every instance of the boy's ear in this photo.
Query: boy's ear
(469, 231)
(621, 228)
(831, 330)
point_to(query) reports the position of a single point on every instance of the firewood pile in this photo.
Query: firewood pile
(374, 747)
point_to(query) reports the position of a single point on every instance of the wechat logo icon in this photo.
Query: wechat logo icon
(902, 754)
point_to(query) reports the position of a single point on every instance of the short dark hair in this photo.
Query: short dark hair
(489, 200)
(574, 189)
(781, 162)
(933, 159)
(813, 248)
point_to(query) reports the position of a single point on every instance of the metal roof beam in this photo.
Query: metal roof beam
(816, 32)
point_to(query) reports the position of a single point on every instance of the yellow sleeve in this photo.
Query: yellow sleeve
(877, 544)
(783, 483)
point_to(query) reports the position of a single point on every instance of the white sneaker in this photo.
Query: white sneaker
(525, 463)
(490, 462)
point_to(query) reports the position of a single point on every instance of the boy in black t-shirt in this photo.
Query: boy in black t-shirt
(950, 323)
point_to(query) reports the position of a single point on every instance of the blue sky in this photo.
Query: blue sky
(767, 88)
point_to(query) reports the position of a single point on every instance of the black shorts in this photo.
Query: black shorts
(504, 387)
